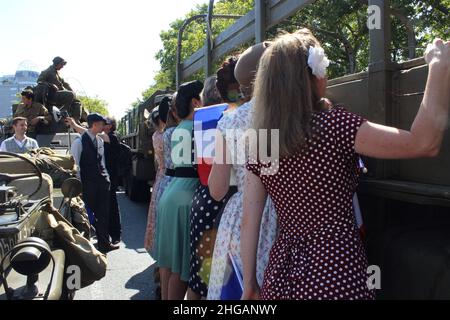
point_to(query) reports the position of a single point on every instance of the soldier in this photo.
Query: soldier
(60, 94)
(35, 113)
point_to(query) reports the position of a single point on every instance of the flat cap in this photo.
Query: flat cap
(95, 117)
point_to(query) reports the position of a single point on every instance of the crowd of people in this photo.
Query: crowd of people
(35, 113)
(282, 228)
(96, 154)
(262, 228)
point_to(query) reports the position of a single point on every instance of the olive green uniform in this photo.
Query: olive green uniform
(64, 96)
(31, 112)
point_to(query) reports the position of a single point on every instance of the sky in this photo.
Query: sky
(109, 45)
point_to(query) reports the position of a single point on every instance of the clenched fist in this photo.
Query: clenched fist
(438, 53)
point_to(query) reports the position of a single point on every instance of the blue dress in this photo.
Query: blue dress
(174, 207)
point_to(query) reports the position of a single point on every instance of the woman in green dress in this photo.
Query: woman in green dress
(174, 207)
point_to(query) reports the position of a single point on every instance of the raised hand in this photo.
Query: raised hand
(70, 121)
(438, 53)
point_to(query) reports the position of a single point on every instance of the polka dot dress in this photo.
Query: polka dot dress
(319, 254)
(203, 228)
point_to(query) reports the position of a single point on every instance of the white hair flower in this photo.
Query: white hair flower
(318, 62)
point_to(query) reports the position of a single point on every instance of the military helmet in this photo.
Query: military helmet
(59, 60)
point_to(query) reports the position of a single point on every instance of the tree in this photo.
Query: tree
(193, 40)
(94, 104)
(340, 25)
(194, 35)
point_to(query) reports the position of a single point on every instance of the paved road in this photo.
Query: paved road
(130, 269)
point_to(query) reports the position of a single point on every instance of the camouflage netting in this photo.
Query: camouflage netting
(50, 167)
(59, 167)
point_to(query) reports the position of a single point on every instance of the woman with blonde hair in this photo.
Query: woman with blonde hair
(319, 253)
(232, 173)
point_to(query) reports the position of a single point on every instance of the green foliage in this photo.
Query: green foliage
(194, 35)
(94, 104)
(193, 40)
(339, 25)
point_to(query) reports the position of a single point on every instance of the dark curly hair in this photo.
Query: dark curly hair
(225, 77)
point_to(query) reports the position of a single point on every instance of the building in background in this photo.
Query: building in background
(11, 85)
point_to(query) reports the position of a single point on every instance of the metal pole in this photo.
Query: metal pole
(260, 20)
(380, 37)
(209, 44)
(70, 141)
(179, 46)
(187, 22)
(380, 74)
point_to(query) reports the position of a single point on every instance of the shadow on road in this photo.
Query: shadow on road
(142, 283)
(134, 223)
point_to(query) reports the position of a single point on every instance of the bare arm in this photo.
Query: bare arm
(79, 129)
(426, 134)
(219, 178)
(255, 196)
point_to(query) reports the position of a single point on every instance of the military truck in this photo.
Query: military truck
(136, 132)
(405, 203)
(39, 245)
(36, 258)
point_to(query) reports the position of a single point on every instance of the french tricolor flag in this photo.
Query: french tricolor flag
(205, 125)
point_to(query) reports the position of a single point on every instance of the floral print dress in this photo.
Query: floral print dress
(168, 164)
(158, 146)
(229, 233)
(165, 181)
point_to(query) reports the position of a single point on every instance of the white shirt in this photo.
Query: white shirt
(20, 143)
(77, 148)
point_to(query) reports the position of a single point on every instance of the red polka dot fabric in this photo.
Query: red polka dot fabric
(319, 254)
